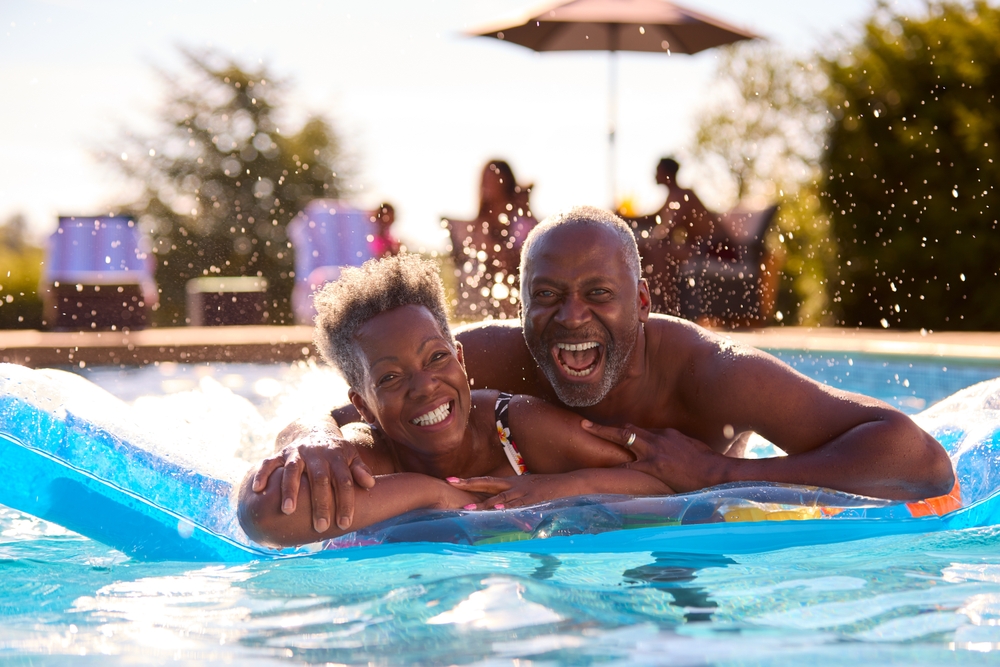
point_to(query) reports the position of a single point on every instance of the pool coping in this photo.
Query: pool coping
(273, 344)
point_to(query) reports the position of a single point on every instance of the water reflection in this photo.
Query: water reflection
(672, 572)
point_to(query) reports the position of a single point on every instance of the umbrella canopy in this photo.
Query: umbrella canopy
(618, 25)
(654, 26)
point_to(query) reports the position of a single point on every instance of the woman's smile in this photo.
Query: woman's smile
(434, 416)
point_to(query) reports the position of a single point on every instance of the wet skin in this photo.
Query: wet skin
(695, 395)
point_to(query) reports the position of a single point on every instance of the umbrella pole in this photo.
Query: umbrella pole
(612, 126)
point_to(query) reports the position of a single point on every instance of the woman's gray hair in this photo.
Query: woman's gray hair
(596, 217)
(361, 293)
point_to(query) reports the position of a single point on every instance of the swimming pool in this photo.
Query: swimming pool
(932, 599)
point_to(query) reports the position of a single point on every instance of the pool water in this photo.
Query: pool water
(929, 599)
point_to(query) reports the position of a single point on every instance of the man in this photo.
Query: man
(587, 341)
(682, 228)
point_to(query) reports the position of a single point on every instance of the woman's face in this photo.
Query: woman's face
(416, 390)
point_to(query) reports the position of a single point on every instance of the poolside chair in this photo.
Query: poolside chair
(728, 286)
(97, 275)
(326, 236)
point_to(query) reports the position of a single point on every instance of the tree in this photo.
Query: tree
(763, 134)
(222, 181)
(911, 170)
(21, 262)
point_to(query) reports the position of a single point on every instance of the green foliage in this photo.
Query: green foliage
(222, 181)
(911, 170)
(763, 130)
(801, 237)
(20, 304)
(763, 133)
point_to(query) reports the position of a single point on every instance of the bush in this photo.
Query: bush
(911, 171)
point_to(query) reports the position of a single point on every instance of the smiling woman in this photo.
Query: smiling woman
(383, 325)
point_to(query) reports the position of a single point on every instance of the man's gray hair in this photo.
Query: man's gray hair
(361, 293)
(592, 216)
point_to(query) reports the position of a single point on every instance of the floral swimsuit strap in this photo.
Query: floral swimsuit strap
(503, 430)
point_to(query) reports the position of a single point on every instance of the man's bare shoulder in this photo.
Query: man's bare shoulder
(690, 352)
(674, 340)
(712, 367)
(496, 356)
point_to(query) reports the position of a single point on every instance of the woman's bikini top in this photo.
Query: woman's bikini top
(503, 430)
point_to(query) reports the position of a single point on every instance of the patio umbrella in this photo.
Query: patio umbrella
(655, 26)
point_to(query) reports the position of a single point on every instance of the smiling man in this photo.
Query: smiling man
(686, 398)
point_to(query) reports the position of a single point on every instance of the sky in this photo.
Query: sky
(420, 106)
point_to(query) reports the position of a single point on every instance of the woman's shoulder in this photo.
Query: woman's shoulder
(373, 446)
(484, 400)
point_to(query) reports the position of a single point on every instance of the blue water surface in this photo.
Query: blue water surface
(918, 599)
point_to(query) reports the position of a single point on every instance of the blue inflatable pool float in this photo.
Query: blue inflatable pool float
(75, 456)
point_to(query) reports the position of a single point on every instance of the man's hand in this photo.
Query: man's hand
(681, 462)
(332, 465)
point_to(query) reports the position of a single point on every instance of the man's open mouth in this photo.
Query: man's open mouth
(578, 360)
(435, 416)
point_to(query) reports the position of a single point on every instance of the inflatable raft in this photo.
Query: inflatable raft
(76, 456)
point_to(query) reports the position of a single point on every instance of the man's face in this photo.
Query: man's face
(665, 176)
(581, 311)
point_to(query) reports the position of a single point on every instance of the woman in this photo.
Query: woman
(486, 250)
(384, 326)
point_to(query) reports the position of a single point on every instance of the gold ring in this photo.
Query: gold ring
(631, 440)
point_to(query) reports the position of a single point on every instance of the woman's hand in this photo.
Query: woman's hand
(454, 497)
(506, 492)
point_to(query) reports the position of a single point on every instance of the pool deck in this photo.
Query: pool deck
(270, 344)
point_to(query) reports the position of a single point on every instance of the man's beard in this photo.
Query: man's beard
(617, 356)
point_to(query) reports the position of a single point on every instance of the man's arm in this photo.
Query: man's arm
(395, 494)
(833, 438)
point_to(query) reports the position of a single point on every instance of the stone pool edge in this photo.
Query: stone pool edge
(274, 344)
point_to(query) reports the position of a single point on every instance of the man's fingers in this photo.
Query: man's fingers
(640, 446)
(263, 473)
(320, 493)
(290, 483)
(620, 435)
(480, 484)
(344, 491)
(362, 473)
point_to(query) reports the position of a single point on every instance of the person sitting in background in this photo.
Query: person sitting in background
(683, 227)
(384, 326)
(486, 250)
(384, 244)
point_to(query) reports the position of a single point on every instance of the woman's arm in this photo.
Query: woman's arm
(261, 516)
(507, 492)
(552, 440)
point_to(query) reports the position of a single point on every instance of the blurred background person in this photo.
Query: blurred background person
(384, 244)
(486, 250)
(682, 228)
